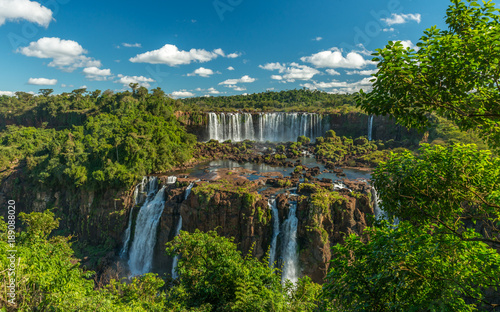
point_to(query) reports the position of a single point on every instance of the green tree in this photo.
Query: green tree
(214, 276)
(455, 74)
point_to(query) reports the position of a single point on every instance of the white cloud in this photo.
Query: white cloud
(318, 39)
(181, 93)
(7, 93)
(341, 87)
(240, 89)
(63, 85)
(334, 59)
(202, 72)
(213, 91)
(401, 19)
(391, 29)
(66, 55)
(409, 44)
(269, 89)
(132, 45)
(244, 79)
(274, 66)
(42, 81)
(361, 72)
(83, 87)
(170, 55)
(32, 11)
(230, 68)
(141, 80)
(97, 74)
(291, 73)
(233, 55)
(332, 72)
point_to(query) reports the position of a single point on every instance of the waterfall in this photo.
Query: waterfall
(176, 258)
(376, 205)
(177, 231)
(142, 247)
(276, 230)
(171, 179)
(370, 127)
(138, 194)
(274, 127)
(290, 254)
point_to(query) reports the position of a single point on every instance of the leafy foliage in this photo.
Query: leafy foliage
(454, 74)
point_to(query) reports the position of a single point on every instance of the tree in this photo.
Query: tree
(45, 92)
(213, 276)
(443, 255)
(455, 73)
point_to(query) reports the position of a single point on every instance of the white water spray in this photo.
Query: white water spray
(177, 231)
(142, 248)
(274, 127)
(290, 254)
(276, 231)
(370, 127)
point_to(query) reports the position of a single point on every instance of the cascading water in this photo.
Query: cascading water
(274, 127)
(138, 195)
(142, 247)
(176, 258)
(276, 231)
(290, 255)
(376, 205)
(177, 231)
(171, 179)
(370, 127)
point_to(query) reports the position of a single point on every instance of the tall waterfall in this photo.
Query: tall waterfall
(171, 179)
(290, 254)
(142, 248)
(138, 194)
(177, 231)
(376, 205)
(370, 127)
(276, 231)
(274, 127)
(176, 258)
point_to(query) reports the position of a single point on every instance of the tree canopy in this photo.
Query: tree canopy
(454, 73)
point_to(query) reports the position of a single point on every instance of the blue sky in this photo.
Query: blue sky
(204, 47)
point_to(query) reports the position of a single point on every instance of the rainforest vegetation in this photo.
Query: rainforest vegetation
(437, 250)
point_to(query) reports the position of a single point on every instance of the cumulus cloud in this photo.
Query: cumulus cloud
(7, 93)
(334, 59)
(401, 19)
(213, 91)
(66, 55)
(341, 87)
(42, 81)
(202, 72)
(141, 80)
(361, 72)
(230, 68)
(170, 55)
(181, 93)
(132, 45)
(233, 55)
(390, 29)
(14, 10)
(318, 39)
(244, 79)
(291, 73)
(97, 74)
(332, 72)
